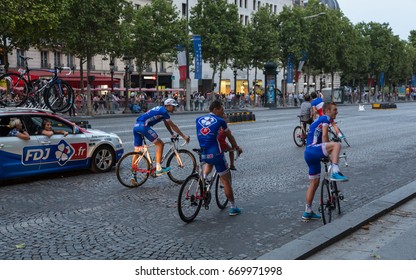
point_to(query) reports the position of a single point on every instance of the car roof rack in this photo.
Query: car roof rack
(16, 109)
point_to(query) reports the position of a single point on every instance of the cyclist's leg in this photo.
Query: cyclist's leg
(313, 155)
(225, 176)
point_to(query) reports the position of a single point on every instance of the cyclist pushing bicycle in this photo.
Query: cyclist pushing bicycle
(144, 126)
(207, 129)
(318, 147)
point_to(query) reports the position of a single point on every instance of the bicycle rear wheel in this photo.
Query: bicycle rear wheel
(14, 90)
(132, 175)
(179, 172)
(298, 136)
(190, 198)
(326, 202)
(59, 97)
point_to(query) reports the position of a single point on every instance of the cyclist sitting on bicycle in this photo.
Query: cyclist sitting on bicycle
(207, 129)
(317, 111)
(306, 111)
(144, 125)
(318, 147)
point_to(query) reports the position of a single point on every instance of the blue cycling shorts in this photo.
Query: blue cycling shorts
(216, 159)
(147, 131)
(313, 155)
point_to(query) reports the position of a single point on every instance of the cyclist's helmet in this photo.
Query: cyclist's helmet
(171, 101)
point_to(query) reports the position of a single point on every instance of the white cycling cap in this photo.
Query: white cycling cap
(171, 101)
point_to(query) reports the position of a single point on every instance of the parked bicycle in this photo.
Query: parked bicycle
(18, 90)
(330, 194)
(134, 168)
(196, 191)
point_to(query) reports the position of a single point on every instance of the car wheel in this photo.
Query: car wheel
(103, 159)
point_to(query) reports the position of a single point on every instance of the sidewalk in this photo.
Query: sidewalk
(389, 222)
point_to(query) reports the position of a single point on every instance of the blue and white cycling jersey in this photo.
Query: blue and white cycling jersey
(207, 129)
(154, 116)
(315, 130)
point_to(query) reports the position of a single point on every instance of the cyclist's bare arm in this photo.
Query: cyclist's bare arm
(171, 126)
(233, 143)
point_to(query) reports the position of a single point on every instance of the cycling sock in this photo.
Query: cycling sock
(335, 168)
(158, 166)
(308, 208)
(232, 204)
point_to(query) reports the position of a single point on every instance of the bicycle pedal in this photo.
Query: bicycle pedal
(206, 207)
(341, 197)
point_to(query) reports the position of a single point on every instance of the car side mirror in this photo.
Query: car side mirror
(75, 130)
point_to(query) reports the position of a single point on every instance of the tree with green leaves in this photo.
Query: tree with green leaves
(221, 31)
(87, 30)
(157, 30)
(262, 40)
(28, 23)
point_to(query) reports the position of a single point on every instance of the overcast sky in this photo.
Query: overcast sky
(399, 14)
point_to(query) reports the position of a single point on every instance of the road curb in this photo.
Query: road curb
(309, 244)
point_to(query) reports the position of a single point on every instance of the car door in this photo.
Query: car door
(14, 162)
(61, 152)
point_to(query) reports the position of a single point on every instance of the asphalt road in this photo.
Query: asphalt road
(91, 216)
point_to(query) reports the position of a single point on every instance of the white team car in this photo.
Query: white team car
(80, 149)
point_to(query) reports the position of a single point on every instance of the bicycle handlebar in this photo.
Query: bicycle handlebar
(176, 138)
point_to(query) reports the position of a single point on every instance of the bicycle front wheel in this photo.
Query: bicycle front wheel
(298, 136)
(335, 193)
(59, 97)
(220, 197)
(181, 166)
(326, 202)
(133, 169)
(14, 90)
(190, 198)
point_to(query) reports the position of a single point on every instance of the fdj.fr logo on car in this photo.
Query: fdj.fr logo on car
(59, 153)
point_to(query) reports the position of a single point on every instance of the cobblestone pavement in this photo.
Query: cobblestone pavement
(91, 216)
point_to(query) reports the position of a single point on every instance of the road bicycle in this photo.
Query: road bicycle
(330, 194)
(134, 168)
(18, 90)
(300, 134)
(196, 191)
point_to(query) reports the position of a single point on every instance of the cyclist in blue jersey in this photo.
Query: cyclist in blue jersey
(318, 147)
(207, 129)
(144, 126)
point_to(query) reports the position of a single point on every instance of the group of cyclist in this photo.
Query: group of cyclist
(208, 128)
(318, 114)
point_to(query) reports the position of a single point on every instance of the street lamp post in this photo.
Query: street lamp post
(112, 74)
(127, 69)
(235, 68)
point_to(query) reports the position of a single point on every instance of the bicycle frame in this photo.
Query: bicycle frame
(173, 149)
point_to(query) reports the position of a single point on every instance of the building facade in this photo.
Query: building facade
(108, 74)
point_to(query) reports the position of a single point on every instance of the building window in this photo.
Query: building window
(44, 59)
(275, 9)
(183, 9)
(20, 61)
(137, 6)
(56, 59)
(241, 19)
(241, 3)
(254, 5)
(69, 60)
(235, 2)
(258, 5)
(245, 4)
(162, 67)
(246, 20)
